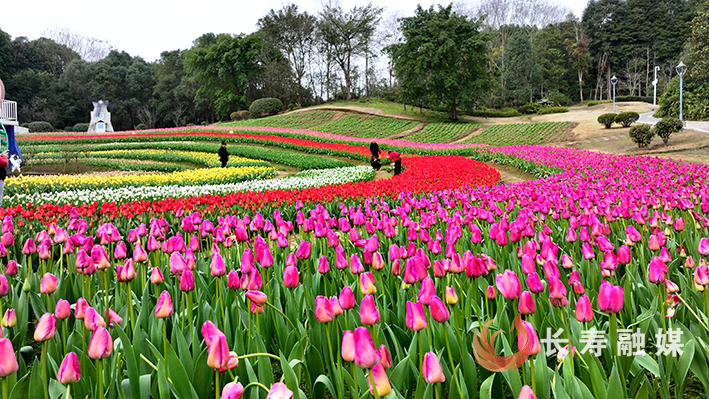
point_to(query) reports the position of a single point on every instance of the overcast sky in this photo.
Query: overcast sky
(149, 27)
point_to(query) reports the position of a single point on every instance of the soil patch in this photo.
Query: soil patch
(409, 132)
(510, 174)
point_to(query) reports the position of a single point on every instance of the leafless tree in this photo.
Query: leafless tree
(148, 115)
(89, 48)
(388, 34)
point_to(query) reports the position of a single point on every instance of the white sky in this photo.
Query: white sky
(149, 27)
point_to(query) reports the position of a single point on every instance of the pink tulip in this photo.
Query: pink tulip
(187, 280)
(366, 283)
(534, 283)
(279, 391)
(233, 281)
(126, 273)
(432, 370)
(336, 308)
(415, 316)
(439, 312)
(164, 309)
(80, 308)
(378, 262)
(381, 380)
(526, 393)
(348, 346)
(62, 310)
(368, 312)
(366, 356)
(70, 371)
(323, 265)
(257, 297)
(210, 332)
(386, 356)
(526, 303)
(92, 319)
(217, 267)
(101, 344)
(156, 276)
(490, 292)
(584, 311)
(610, 297)
(232, 390)
(657, 270)
(11, 268)
(323, 309)
(451, 296)
(428, 289)
(5, 286)
(303, 251)
(9, 319)
(29, 247)
(8, 361)
(46, 327)
(557, 290)
(704, 246)
(139, 253)
(113, 317)
(531, 342)
(290, 277)
(218, 353)
(7, 239)
(587, 251)
(356, 266)
(347, 299)
(508, 285)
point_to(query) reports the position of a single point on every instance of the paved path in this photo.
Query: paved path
(649, 119)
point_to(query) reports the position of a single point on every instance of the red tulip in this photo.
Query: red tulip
(101, 344)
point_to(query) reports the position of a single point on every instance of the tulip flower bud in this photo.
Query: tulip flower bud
(11, 268)
(232, 390)
(164, 309)
(62, 310)
(366, 356)
(323, 309)
(439, 312)
(101, 344)
(70, 371)
(279, 391)
(347, 299)
(490, 292)
(526, 393)
(531, 341)
(48, 283)
(368, 312)
(233, 280)
(9, 319)
(8, 361)
(415, 316)
(380, 380)
(257, 297)
(187, 280)
(218, 353)
(291, 278)
(4, 286)
(432, 370)
(386, 357)
(526, 303)
(46, 327)
(348, 346)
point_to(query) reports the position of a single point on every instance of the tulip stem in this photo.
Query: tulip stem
(129, 303)
(332, 359)
(374, 384)
(5, 388)
(534, 380)
(452, 365)
(104, 279)
(706, 300)
(191, 321)
(44, 370)
(99, 375)
(256, 384)
(68, 392)
(418, 335)
(164, 341)
(661, 298)
(216, 384)
(257, 355)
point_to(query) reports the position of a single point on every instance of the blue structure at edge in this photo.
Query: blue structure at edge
(11, 142)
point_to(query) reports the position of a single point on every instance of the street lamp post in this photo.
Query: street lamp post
(654, 89)
(681, 69)
(614, 80)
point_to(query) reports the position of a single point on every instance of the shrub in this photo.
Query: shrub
(265, 106)
(40, 126)
(532, 108)
(141, 126)
(559, 98)
(240, 115)
(596, 102)
(495, 113)
(641, 134)
(522, 110)
(627, 118)
(552, 110)
(622, 99)
(606, 120)
(666, 126)
(81, 127)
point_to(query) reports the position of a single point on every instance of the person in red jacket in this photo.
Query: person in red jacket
(395, 158)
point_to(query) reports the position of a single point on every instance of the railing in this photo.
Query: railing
(8, 110)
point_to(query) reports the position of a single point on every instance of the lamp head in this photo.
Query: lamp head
(681, 68)
(614, 80)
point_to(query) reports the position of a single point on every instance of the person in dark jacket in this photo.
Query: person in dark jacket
(374, 149)
(223, 154)
(395, 158)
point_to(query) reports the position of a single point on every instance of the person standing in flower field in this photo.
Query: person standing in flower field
(223, 154)
(375, 161)
(395, 159)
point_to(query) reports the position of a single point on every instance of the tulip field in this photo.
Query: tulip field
(588, 282)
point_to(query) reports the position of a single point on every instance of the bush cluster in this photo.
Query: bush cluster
(596, 102)
(240, 115)
(626, 119)
(665, 127)
(552, 110)
(141, 126)
(40, 126)
(265, 106)
(80, 127)
(606, 120)
(641, 135)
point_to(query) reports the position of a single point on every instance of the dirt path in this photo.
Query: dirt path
(409, 132)
(356, 110)
(510, 174)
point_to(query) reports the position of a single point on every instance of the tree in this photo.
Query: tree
(292, 33)
(88, 48)
(444, 55)
(522, 72)
(173, 87)
(226, 69)
(347, 35)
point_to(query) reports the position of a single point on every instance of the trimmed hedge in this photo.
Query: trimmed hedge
(666, 126)
(40, 126)
(495, 113)
(607, 120)
(552, 110)
(80, 127)
(265, 106)
(626, 118)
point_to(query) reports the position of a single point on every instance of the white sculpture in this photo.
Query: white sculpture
(100, 118)
(15, 162)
